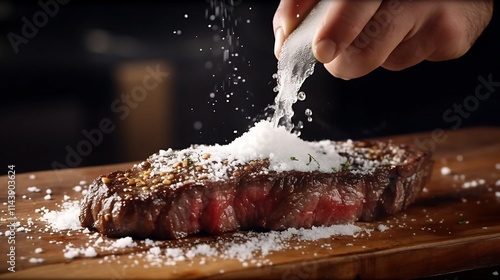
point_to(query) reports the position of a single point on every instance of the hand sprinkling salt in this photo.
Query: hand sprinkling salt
(296, 63)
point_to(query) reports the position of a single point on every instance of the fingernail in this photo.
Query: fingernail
(279, 38)
(325, 51)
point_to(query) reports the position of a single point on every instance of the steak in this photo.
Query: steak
(174, 194)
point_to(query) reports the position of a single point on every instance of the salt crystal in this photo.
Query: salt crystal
(66, 197)
(71, 253)
(497, 183)
(382, 227)
(460, 158)
(445, 170)
(497, 166)
(32, 176)
(83, 182)
(48, 191)
(38, 250)
(495, 273)
(155, 251)
(35, 260)
(124, 242)
(90, 252)
(296, 62)
(67, 218)
(33, 189)
(47, 197)
(497, 194)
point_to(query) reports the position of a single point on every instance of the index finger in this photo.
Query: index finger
(287, 17)
(345, 20)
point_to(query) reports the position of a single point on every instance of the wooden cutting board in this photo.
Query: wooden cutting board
(454, 226)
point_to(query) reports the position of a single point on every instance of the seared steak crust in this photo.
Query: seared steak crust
(378, 179)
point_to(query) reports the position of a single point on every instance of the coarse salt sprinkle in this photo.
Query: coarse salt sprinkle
(284, 151)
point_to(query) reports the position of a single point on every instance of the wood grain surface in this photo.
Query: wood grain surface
(453, 226)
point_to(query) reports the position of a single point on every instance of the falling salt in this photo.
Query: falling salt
(295, 63)
(308, 112)
(197, 125)
(301, 96)
(445, 170)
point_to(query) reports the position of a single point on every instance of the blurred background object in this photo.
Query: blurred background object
(101, 82)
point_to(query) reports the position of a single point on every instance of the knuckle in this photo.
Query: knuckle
(450, 39)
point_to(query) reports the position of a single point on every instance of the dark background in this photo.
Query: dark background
(63, 80)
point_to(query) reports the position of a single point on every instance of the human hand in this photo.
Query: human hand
(356, 37)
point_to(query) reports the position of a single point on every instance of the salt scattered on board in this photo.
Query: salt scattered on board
(35, 260)
(67, 218)
(33, 189)
(245, 247)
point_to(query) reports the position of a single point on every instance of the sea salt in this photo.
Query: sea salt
(248, 246)
(382, 227)
(295, 63)
(67, 218)
(124, 243)
(38, 250)
(445, 170)
(35, 260)
(33, 189)
(285, 151)
(90, 252)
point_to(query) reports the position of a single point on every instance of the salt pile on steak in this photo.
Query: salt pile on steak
(266, 179)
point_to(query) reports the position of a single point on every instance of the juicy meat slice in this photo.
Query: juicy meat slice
(380, 179)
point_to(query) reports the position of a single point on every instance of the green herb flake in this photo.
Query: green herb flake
(294, 159)
(311, 158)
(345, 165)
